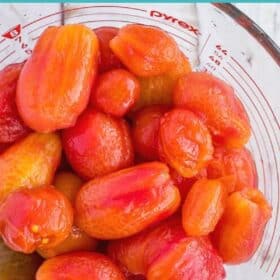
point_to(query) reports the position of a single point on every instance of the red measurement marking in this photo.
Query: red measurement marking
(183, 39)
(127, 21)
(18, 39)
(224, 51)
(216, 61)
(261, 92)
(4, 49)
(45, 25)
(81, 8)
(276, 120)
(204, 69)
(253, 133)
(216, 53)
(257, 97)
(275, 251)
(181, 23)
(11, 53)
(13, 32)
(275, 160)
(24, 45)
(29, 51)
(276, 267)
(135, 16)
(253, 116)
(251, 99)
(212, 67)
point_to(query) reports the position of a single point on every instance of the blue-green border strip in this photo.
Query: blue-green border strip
(138, 1)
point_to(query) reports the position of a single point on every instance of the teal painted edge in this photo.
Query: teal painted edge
(139, 1)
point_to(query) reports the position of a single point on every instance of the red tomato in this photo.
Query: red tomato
(12, 127)
(45, 219)
(145, 131)
(98, 144)
(108, 60)
(81, 265)
(115, 92)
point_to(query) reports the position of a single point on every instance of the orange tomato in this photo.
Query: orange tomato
(68, 183)
(80, 265)
(184, 142)
(184, 184)
(125, 202)
(30, 162)
(145, 50)
(204, 206)
(237, 163)
(55, 83)
(77, 240)
(216, 103)
(158, 89)
(240, 230)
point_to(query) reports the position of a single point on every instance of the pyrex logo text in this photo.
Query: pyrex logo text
(181, 23)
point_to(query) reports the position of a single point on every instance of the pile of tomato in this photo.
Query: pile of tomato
(120, 162)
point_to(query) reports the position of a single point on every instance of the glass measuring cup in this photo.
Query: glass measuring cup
(217, 38)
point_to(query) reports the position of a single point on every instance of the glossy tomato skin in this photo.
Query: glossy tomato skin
(203, 207)
(45, 219)
(166, 252)
(145, 50)
(116, 92)
(30, 162)
(216, 103)
(184, 184)
(241, 228)
(145, 130)
(4, 147)
(125, 202)
(69, 184)
(76, 241)
(12, 127)
(237, 163)
(80, 265)
(158, 89)
(55, 83)
(107, 61)
(98, 144)
(184, 142)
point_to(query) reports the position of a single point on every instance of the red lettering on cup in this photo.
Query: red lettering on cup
(181, 23)
(155, 14)
(13, 32)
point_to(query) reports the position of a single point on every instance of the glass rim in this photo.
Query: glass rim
(250, 26)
